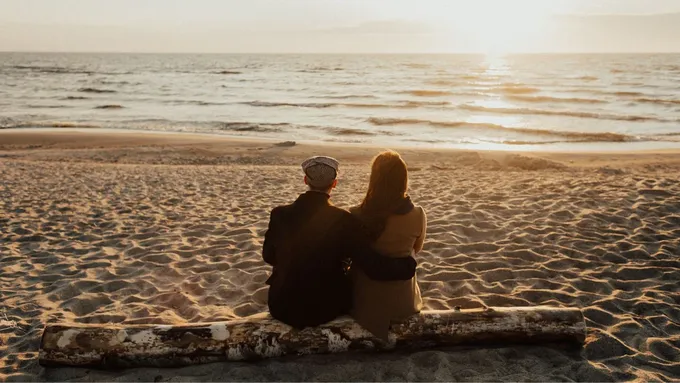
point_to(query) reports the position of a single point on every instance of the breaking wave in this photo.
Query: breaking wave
(13, 124)
(427, 93)
(346, 96)
(75, 98)
(51, 69)
(399, 105)
(514, 89)
(572, 136)
(349, 132)
(267, 104)
(657, 101)
(95, 90)
(33, 106)
(548, 99)
(250, 127)
(193, 102)
(228, 72)
(111, 106)
(565, 113)
(60, 70)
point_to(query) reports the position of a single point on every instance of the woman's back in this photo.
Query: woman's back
(403, 233)
(376, 304)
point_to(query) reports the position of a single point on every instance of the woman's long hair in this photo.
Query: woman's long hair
(386, 191)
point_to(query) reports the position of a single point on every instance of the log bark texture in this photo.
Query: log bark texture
(116, 346)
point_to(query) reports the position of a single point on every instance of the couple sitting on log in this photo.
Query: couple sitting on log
(329, 262)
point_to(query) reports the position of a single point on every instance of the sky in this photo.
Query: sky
(340, 26)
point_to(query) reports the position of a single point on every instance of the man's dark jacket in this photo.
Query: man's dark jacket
(307, 243)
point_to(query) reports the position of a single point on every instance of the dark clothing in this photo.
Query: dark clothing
(308, 242)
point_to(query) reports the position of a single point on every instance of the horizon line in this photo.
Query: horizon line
(349, 53)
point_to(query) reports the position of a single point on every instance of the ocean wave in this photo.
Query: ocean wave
(268, 104)
(7, 122)
(515, 89)
(48, 106)
(605, 92)
(547, 136)
(565, 113)
(346, 96)
(627, 94)
(111, 106)
(228, 72)
(400, 105)
(658, 101)
(52, 69)
(320, 69)
(109, 82)
(349, 132)
(207, 103)
(13, 124)
(74, 98)
(572, 136)
(154, 125)
(62, 70)
(250, 126)
(548, 99)
(427, 93)
(193, 102)
(416, 104)
(95, 90)
(443, 82)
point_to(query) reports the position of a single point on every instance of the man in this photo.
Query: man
(308, 243)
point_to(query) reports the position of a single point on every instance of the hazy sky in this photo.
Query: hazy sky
(338, 25)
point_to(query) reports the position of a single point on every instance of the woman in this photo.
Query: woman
(397, 228)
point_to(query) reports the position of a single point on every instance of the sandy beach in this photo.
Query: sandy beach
(99, 227)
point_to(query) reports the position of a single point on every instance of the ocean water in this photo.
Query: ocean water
(406, 100)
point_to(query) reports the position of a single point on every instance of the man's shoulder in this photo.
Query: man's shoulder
(329, 211)
(350, 220)
(281, 210)
(339, 212)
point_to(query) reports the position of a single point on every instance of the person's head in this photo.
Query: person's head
(388, 183)
(386, 189)
(321, 173)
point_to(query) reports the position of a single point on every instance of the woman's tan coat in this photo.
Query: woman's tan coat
(376, 304)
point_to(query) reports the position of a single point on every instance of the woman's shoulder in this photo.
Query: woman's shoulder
(420, 213)
(418, 209)
(415, 214)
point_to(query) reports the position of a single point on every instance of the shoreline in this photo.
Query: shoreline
(538, 149)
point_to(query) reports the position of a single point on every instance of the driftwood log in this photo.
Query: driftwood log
(115, 346)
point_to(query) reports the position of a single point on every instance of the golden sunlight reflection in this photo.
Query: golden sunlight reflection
(499, 73)
(497, 68)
